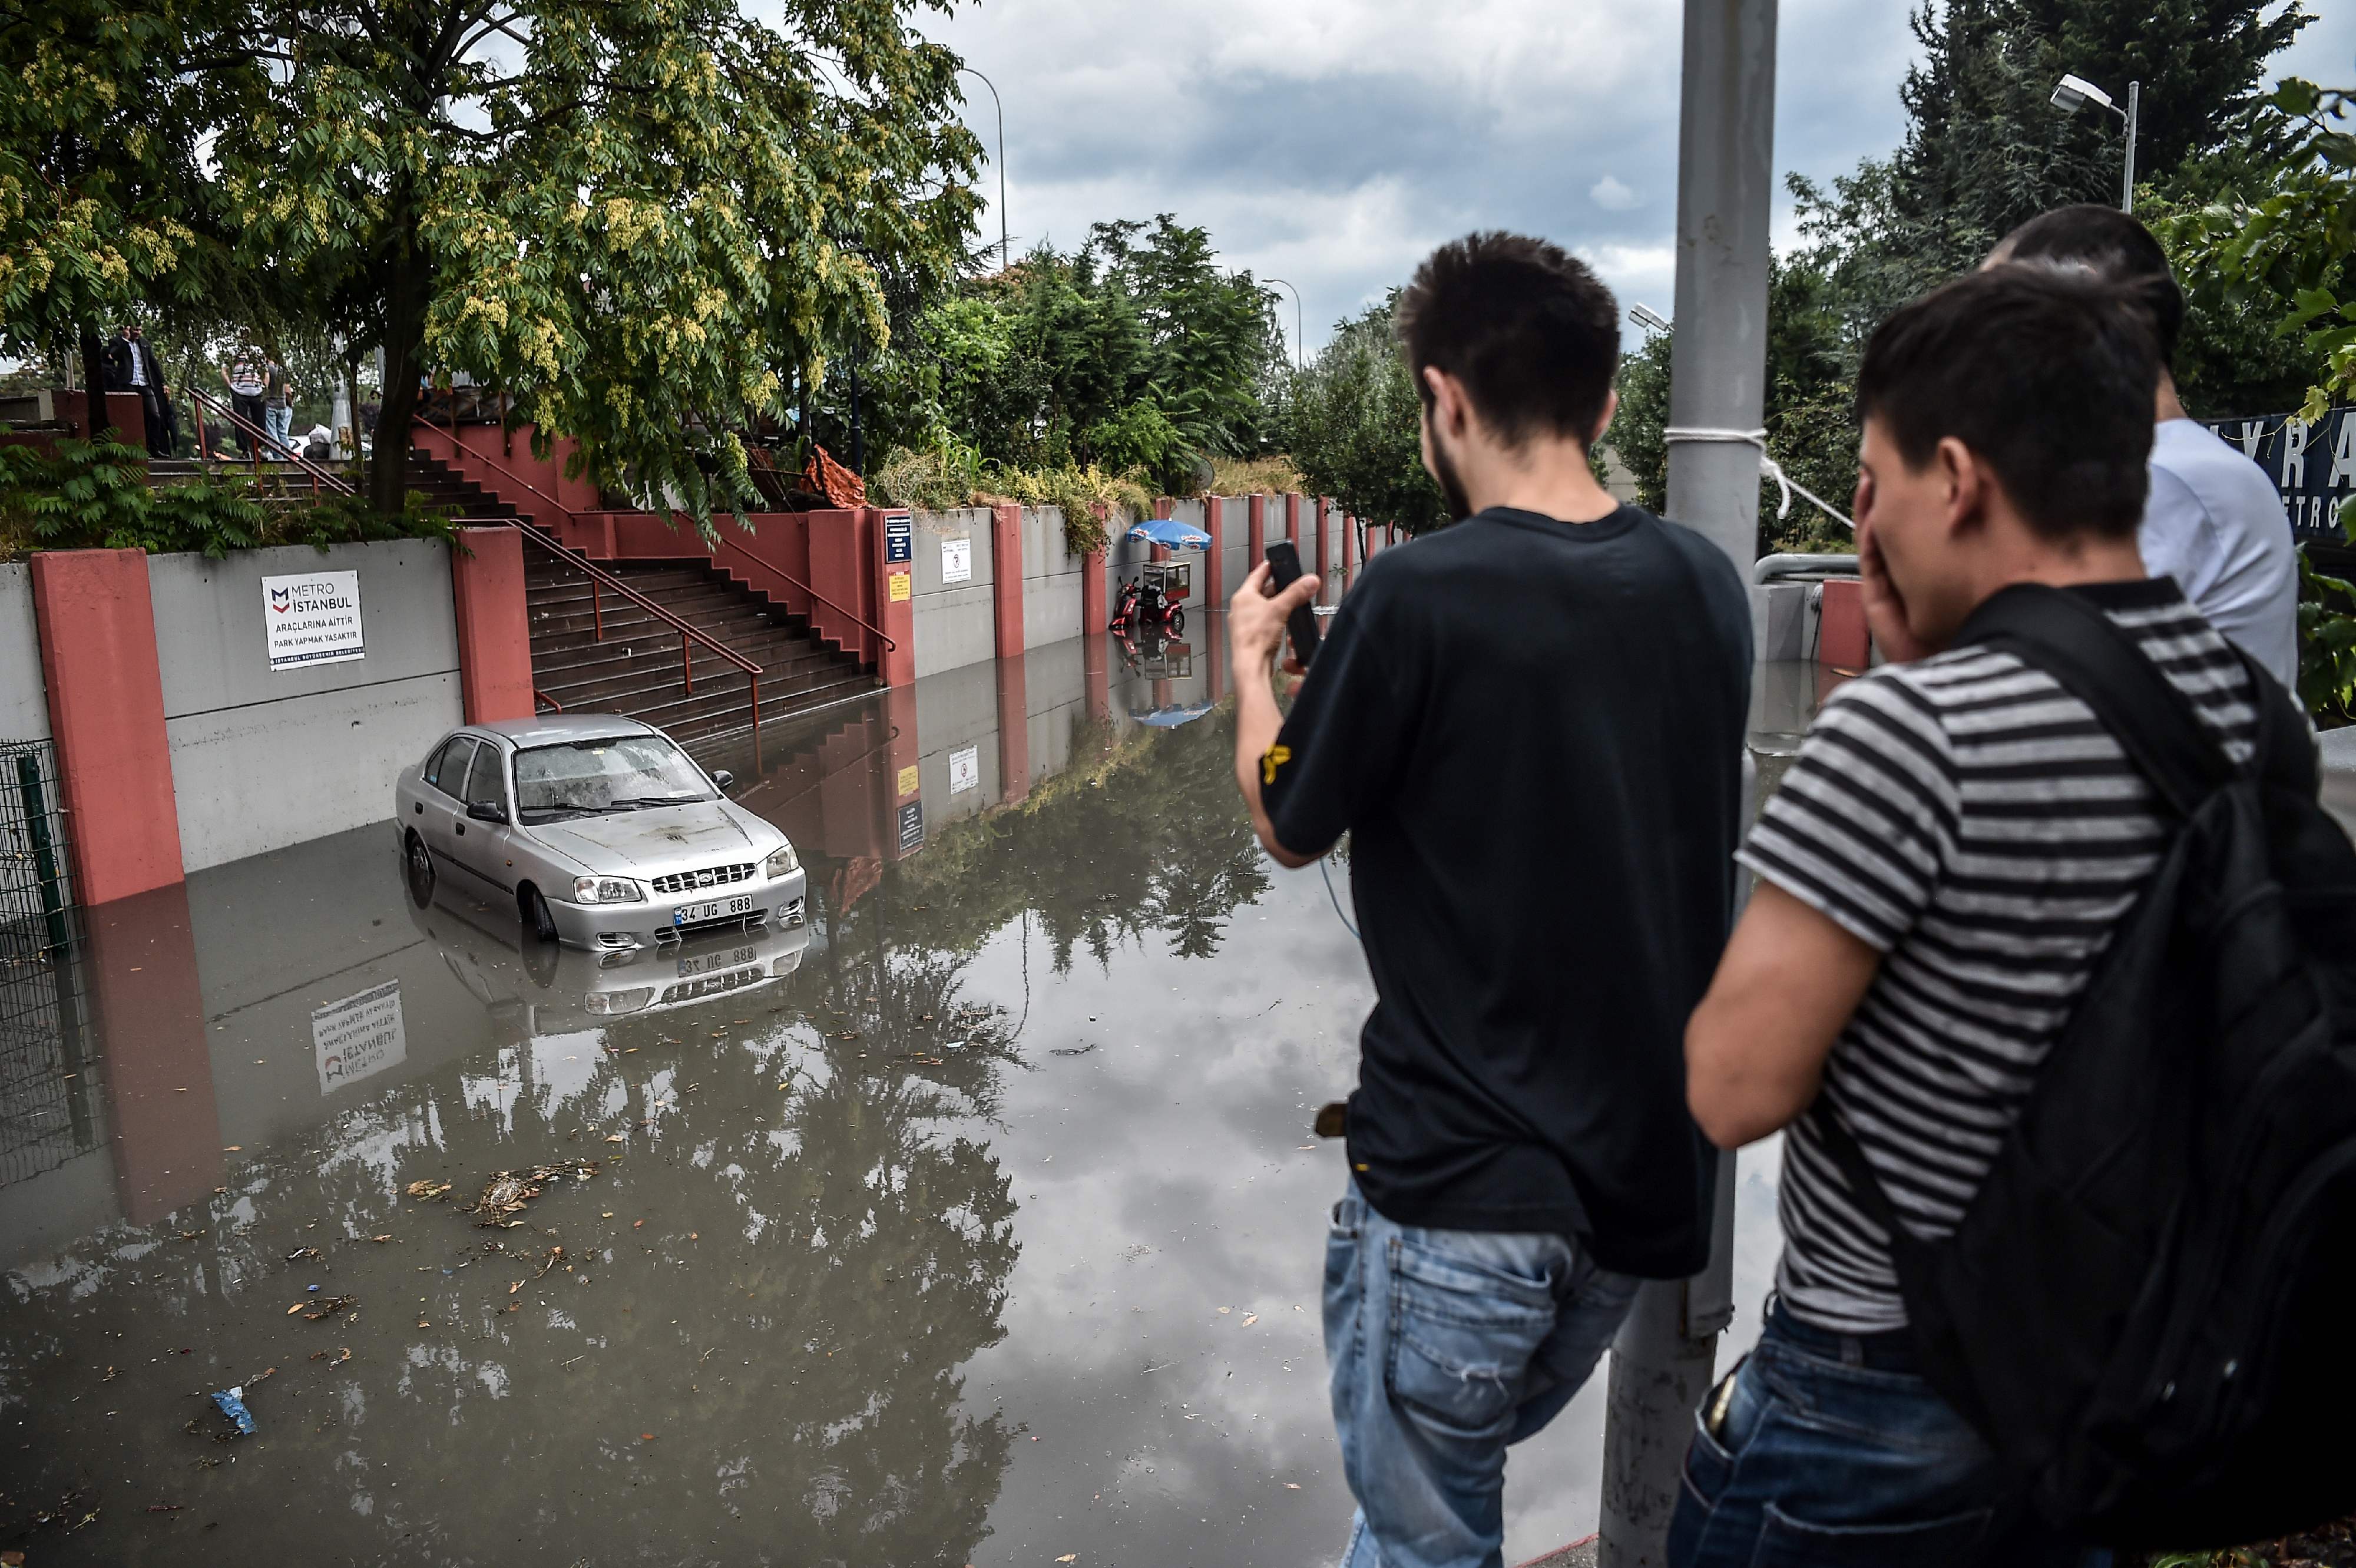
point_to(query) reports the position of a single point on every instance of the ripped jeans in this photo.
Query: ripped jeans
(1443, 1348)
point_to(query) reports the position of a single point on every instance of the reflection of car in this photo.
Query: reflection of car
(559, 989)
(600, 829)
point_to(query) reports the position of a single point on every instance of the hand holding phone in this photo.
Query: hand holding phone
(1301, 625)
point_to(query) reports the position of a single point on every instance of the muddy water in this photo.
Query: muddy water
(977, 1222)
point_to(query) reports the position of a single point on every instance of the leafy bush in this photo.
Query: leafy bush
(87, 494)
(953, 474)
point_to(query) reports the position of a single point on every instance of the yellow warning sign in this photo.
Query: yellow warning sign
(908, 781)
(899, 587)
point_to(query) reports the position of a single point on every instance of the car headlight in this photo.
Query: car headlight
(784, 861)
(607, 890)
(619, 1000)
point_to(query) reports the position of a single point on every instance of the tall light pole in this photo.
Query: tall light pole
(1299, 349)
(2072, 93)
(1667, 1348)
(999, 160)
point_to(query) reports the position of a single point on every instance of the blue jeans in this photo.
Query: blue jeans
(278, 422)
(1834, 1453)
(1444, 1347)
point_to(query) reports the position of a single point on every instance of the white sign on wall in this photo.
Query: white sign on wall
(957, 560)
(313, 618)
(359, 1036)
(965, 769)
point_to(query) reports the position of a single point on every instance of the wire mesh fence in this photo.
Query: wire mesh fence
(45, 1099)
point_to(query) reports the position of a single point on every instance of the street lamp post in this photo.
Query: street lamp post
(2072, 93)
(1001, 159)
(1299, 347)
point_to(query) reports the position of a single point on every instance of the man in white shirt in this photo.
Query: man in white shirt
(2213, 520)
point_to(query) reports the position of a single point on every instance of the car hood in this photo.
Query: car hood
(661, 835)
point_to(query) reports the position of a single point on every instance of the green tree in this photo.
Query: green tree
(104, 210)
(1984, 149)
(639, 220)
(1352, 423)
(2282, 252)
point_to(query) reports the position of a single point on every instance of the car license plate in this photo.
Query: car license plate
(705, 963)
(713, 910)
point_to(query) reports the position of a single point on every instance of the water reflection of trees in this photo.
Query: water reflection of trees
(1142, 835)
(827, 1243)
(816, 1264)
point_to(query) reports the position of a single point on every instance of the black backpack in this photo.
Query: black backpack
(2146, 1308)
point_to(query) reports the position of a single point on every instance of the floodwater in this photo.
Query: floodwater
(980, 1221)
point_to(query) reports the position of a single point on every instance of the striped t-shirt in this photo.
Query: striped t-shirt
(1980, 828)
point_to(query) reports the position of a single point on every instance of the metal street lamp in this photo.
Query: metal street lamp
(2072, 93)
(1299, 345)
(1645, 316)
(1001, 159)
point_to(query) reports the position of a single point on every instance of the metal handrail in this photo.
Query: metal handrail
(676, 516)
(1768, 568)
(885, 636)
(688, 635)
(205, 399)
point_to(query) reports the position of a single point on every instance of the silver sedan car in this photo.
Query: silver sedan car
(602, 833)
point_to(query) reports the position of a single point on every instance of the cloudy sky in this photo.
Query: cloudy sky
(1332, 142)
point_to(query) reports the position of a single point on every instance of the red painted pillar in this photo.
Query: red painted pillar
(1324, 539)
(1214, 561)
(97, 627)
(1256, 527)
(896, 604)
(1014, 731)
(159, 1071)
(1092, 615)
(1293, 529)
(1006, 571)
(1349, 543)
(494, 629)
(1163, 506)
(1842, 640)
(905, 833)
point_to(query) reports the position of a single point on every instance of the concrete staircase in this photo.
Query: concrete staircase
(634, 671)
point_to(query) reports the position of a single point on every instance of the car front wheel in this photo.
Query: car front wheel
(418, 864)
(538, 916)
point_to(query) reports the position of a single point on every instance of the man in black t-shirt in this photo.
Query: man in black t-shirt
(1530, 723)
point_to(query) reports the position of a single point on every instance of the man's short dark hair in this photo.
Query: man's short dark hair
(2048, 376)
(2117, 248)
(1530, 331)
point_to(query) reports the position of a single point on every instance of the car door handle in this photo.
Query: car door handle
(462, 830)
(419, 807)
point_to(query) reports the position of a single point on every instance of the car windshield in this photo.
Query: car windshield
(619, 773)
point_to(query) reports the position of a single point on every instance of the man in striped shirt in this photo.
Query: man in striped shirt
(1939, 873)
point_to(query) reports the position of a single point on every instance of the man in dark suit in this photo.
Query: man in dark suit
(132, 365)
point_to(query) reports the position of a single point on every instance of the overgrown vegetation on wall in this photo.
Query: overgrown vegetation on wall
(95, 495)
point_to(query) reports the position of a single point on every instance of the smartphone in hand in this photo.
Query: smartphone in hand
(1284, 568)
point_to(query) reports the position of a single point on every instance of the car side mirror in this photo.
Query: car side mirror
(485, 812)
(725, 779)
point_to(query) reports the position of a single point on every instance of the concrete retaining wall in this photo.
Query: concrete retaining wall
(1051, 580)
(954, 623)
(24, 700)
(1235, 546)
(261, 759)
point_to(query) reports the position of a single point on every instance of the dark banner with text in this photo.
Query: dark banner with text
(2313, 465)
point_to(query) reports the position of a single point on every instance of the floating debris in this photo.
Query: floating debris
(429, 1190)
(507, 1192)
(1074, 1050)
(299, 1253)
(325, 1307)
(231, 1403)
